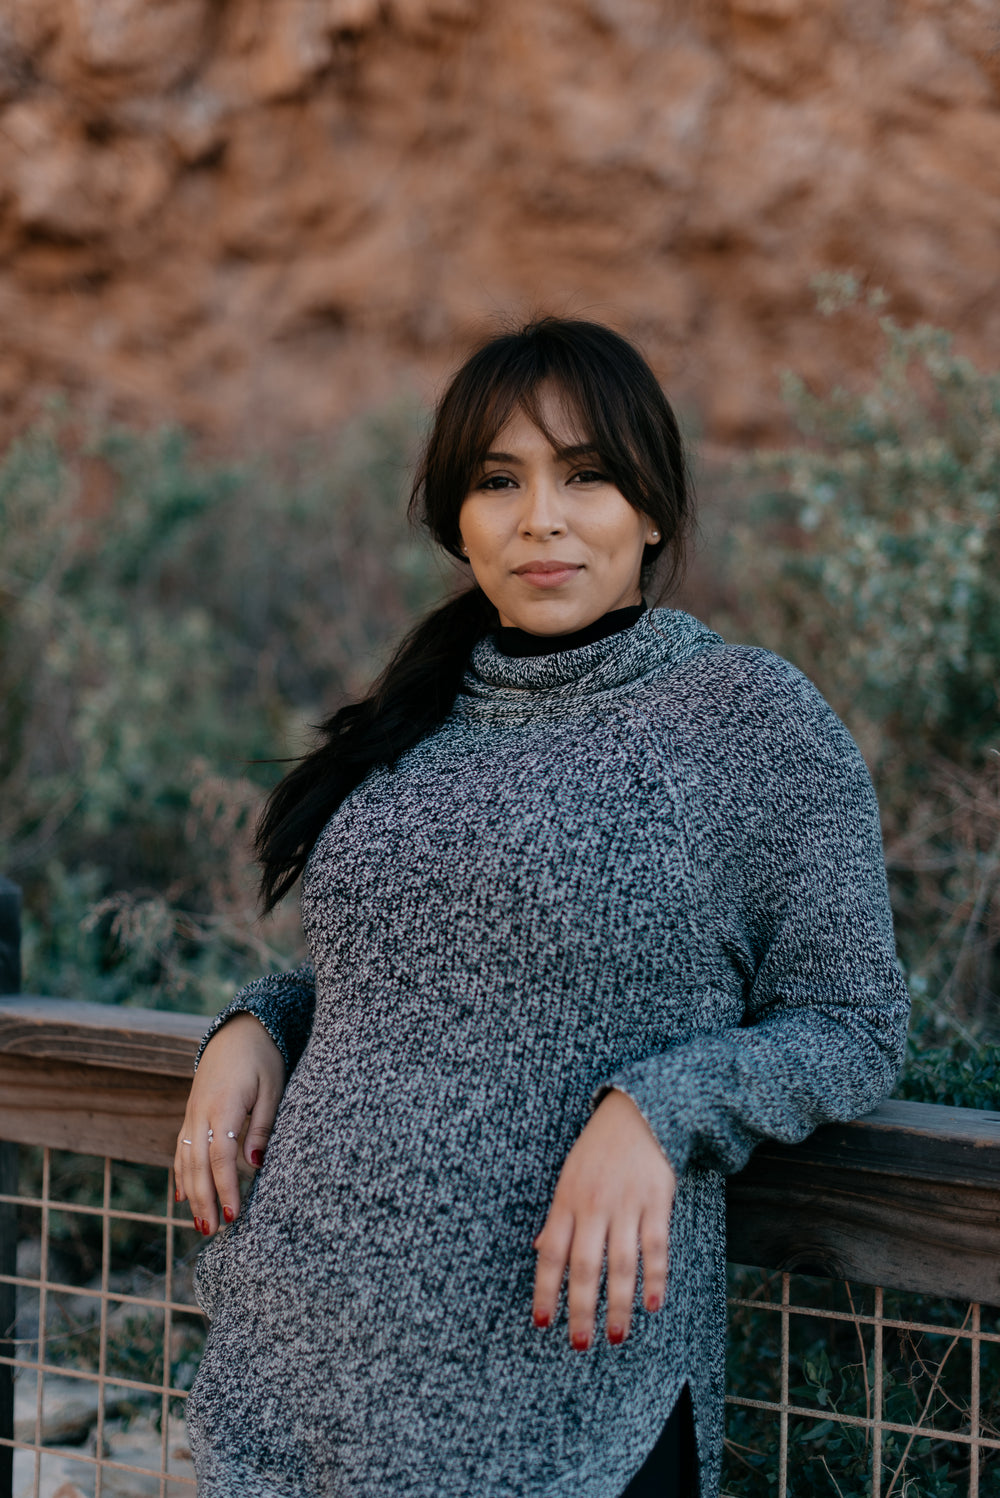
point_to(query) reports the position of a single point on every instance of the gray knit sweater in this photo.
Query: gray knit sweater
(651, 863)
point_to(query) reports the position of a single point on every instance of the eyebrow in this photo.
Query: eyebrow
(579, 450)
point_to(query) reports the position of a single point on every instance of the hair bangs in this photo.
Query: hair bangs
(610, 398)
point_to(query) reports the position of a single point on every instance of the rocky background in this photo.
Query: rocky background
(257, 216)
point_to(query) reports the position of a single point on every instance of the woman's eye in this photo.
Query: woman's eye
(590, 476)
(495, 481)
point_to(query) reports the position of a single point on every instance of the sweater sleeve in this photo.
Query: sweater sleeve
(826, 1009)
(284, 1004)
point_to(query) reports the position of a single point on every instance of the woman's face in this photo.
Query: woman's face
(551, 541)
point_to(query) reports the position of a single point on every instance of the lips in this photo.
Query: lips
(547, 574)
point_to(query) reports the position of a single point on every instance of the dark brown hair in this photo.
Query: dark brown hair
(608, 388)
(618, 405)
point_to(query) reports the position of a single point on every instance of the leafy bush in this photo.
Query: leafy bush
(165, 625)
(881, 561)
(870, 556)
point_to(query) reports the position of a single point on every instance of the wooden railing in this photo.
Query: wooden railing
(907, 1197)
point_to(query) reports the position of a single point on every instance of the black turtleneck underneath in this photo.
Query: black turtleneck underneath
(518, 642)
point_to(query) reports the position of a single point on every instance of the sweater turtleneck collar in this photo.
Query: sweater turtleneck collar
(660, 638)
(519, 643)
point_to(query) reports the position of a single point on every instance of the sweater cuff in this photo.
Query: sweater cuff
(284, 1003)
(231, 1010)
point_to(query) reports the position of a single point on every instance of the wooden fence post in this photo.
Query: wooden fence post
(10, 982)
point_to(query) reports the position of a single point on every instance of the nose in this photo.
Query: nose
(542, 514)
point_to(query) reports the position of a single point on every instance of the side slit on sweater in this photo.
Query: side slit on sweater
(670, 1469)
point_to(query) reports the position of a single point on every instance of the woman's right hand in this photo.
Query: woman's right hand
(241, 1073)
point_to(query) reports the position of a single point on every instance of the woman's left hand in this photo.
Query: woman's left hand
(616, 1189)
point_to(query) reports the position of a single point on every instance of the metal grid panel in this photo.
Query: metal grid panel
(768, 1311)
(113, 1342)
(919, 1419)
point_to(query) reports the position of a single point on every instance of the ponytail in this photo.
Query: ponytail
(411, 698)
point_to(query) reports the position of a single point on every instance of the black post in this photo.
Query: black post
(10, 982)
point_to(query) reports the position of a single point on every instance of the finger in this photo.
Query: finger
(222, 1154)
(586, 1260)
(261, 1123)
(184, 1182)
(622, 1272)
(552, 1247)
(199, 1177)
(180, 1162)
(654, 1244)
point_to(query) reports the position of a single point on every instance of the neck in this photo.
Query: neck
(518, 642)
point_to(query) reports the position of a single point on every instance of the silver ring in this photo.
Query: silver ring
(187, 1141)
(211, 1135)
(231, 1135)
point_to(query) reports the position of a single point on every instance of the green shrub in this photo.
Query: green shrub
(870, 556)
(166, 624)
(876, 556)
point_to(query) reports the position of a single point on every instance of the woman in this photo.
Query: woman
(594, 903)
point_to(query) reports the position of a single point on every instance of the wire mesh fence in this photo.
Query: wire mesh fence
(833, 1388)
(860, 1392)
(106, 1337)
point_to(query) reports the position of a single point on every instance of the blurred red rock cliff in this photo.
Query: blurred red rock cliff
(258, 216)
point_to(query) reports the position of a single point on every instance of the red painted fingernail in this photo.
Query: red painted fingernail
(205, 1228)
(616, 1334)
(256, 1157)
(541, 1318)
(228, 1213)
(580, 1340)
(197, 1224)
(653, 1303)
(177, 1195)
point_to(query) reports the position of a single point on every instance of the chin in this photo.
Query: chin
(555, 622)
